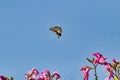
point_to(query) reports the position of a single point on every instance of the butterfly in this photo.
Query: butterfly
(57, 30)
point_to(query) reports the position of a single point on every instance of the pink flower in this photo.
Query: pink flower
(32, 74)
(57, 74)
(3, 77)
(110, 71)
(46, 75)
(40, 78)
(115, 61)
(107, 78)
(85, 71)
(99, 58)
(45, 72)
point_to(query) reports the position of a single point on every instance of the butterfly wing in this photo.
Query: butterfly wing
(57, 30)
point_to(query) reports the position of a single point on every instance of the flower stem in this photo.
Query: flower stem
(95, 69)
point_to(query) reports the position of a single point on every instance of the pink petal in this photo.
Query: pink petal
(3, 77)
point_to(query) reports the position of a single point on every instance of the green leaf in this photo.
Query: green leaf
(90, 60)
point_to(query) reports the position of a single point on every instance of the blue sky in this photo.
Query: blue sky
(25, 39)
